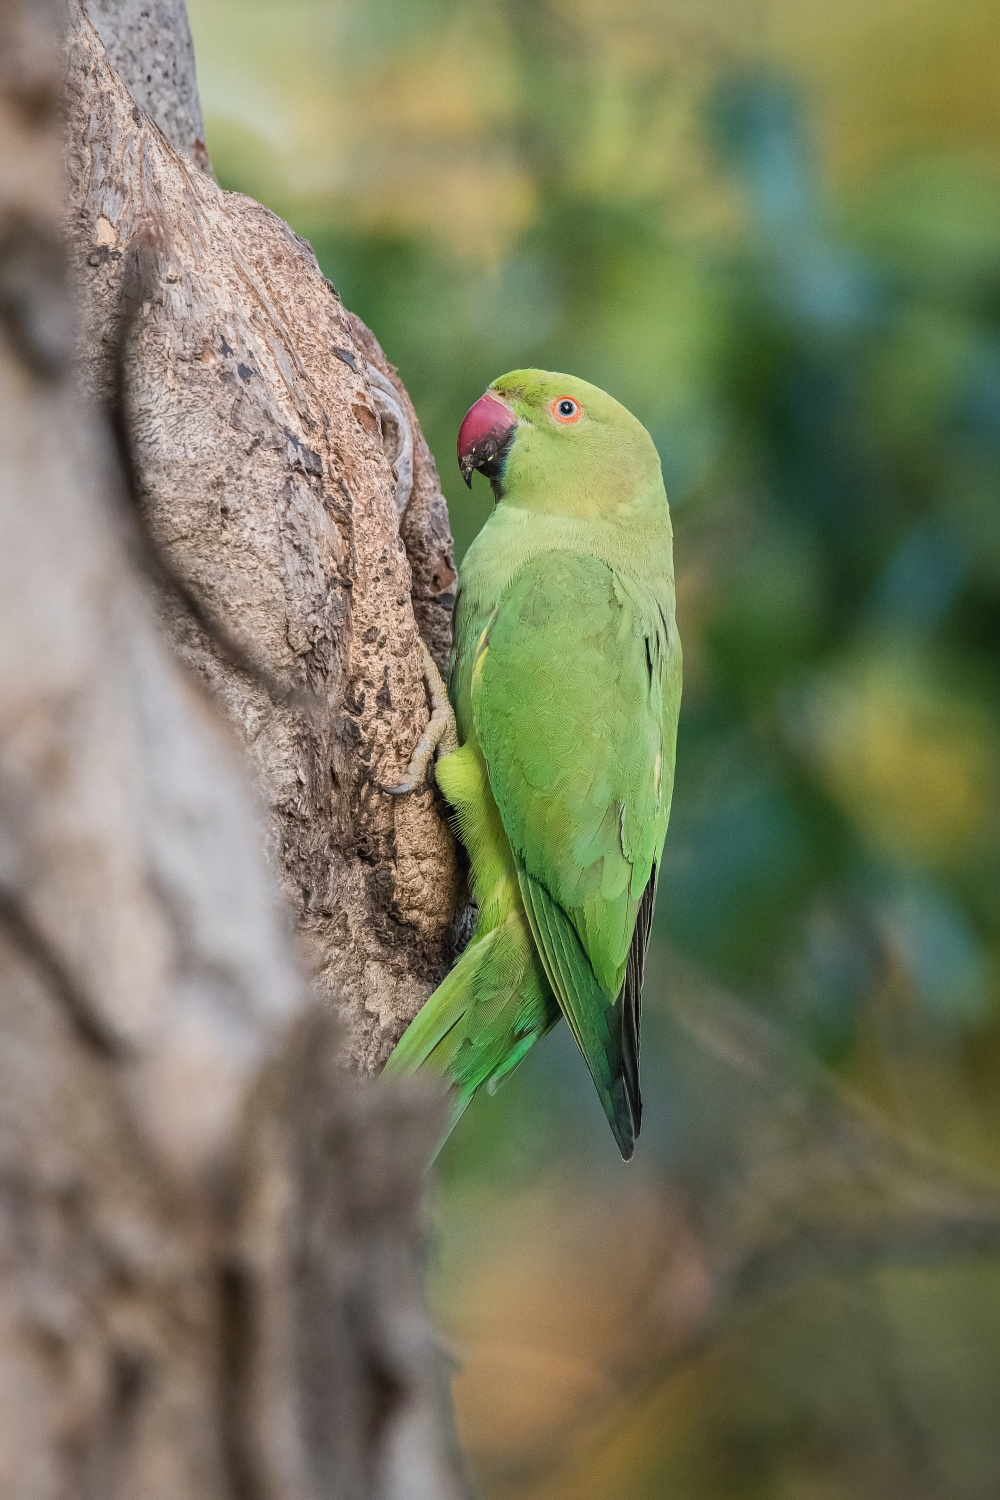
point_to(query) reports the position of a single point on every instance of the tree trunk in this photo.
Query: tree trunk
(208, 1232)
(288, 489)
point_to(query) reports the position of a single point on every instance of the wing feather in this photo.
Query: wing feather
(594, 1021)
(631, 998)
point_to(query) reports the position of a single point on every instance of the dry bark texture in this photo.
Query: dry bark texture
(208, 1233)
(149, 44)
(285, 480)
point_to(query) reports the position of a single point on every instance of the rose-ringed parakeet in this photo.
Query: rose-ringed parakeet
(565, 684)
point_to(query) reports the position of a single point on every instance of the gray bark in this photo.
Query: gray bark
(149, 43)
(209, 1234)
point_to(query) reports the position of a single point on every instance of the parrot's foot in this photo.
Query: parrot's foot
(439, 738)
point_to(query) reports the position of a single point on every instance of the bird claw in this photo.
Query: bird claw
(439, 738)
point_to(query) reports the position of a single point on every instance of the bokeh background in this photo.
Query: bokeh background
(772, 229)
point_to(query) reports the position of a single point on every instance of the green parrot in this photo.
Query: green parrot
(559, 760)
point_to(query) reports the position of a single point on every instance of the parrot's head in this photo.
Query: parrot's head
(555, 443)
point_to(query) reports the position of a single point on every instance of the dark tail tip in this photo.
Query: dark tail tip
(623, 1127)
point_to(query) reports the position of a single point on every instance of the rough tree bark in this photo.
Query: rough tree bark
(208, 1232)
(149, 44)
(285, 480)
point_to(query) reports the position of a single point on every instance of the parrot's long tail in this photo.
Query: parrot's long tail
(433, 1037)
(478, 1024)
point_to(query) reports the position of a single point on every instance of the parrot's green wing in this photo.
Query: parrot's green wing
(568, 704)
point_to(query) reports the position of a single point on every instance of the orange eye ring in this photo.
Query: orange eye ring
(566, 410)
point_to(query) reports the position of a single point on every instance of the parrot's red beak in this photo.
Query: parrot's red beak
(484, 437)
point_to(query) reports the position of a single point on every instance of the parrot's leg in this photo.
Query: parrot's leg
(439, 738)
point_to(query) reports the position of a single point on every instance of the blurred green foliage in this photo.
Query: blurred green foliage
(635, 193)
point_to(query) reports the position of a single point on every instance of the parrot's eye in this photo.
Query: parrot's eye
(565, 409)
